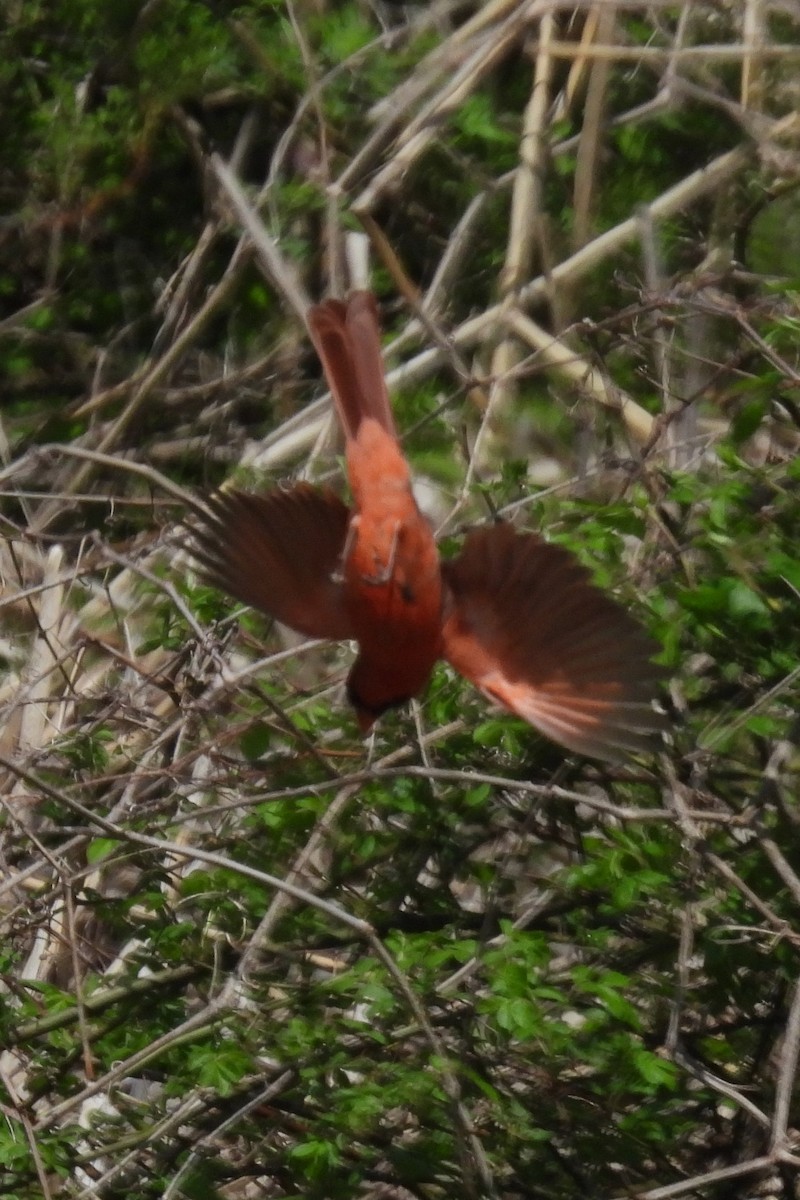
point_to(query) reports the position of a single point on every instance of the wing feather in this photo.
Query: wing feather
(279, 552)
(524, 622)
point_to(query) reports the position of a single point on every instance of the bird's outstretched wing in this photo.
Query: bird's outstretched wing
(280, 553)
(525, 624)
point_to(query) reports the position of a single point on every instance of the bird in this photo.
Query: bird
(516, 615)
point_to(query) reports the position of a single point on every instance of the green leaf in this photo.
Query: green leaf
(743, 601)
(476, 797)
(747, 420)
(255, 741)
(519, 1017)
(656, 1071)
(100, 848)
(220, 1067)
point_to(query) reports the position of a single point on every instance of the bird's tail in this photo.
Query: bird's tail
(347, 338)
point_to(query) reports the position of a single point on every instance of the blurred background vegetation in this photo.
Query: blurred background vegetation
(509, 972)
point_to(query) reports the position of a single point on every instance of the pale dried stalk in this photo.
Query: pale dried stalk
(754, 38)
(680, 432)
(42, 657)
(588, 380)
(526, 199)
(278, 270)
(208, 1144)
(787, 1076)
(677, 434)
(41, 677)
(151, 374)
(174, 298)
(576, 79)
(64, 668)
(61, 636)
(419, 133)
(389, 113)
(697, 1183)
(524, 226)
(300, 430)
(671, 76)
(690, 189)
(192, 828)
(148, 380)
(21, 1115)
(590, 141)
(45, 955)
(733, 52)
(442, 60)
(450, 263)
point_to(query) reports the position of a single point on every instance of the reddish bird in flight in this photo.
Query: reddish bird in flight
(515, 615)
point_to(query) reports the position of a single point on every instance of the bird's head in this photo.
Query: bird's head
(369, 704)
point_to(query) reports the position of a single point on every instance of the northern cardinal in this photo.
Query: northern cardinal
(515, 615)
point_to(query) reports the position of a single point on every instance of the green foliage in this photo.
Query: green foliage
(478, 126)
(343, 32)
(87, 751)
(547, 945)
(219, 1067)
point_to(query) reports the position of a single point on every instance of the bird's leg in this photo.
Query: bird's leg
(386, 574)
(381, 577)
(338, 575)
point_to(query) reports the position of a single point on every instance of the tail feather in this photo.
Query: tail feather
(363, 327)
(347, 340)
